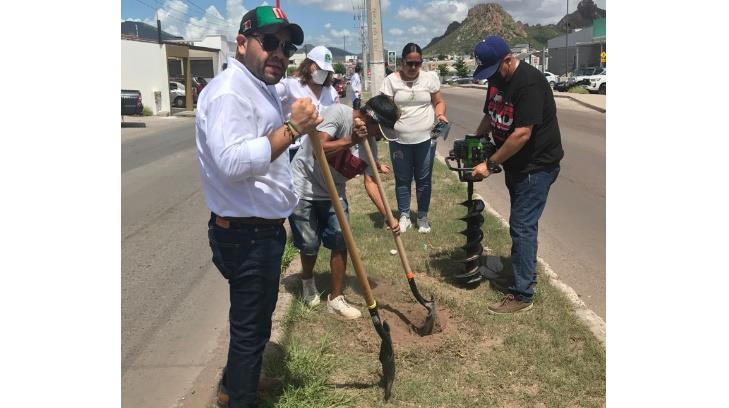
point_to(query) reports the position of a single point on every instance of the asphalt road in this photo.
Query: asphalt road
(572, 228)
(174, 302)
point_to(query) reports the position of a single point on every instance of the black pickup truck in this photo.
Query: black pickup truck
(131, 102)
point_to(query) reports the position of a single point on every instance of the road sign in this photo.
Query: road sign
(602, 57)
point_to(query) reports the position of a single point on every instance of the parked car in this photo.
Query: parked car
(131, 102)
(582, 75)
(551, 79)
(484, 81)
(598, 83)
(177, 94)
(564, 86)
(340, 86)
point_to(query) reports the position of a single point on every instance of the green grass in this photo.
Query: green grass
(578, 90)
(290, 252)
(543, 358)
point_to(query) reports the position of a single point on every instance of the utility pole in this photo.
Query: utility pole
(375, 36)
(360, 18)
(566, 35)
(345, 42)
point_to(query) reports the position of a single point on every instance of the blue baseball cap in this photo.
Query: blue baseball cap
(489, 54)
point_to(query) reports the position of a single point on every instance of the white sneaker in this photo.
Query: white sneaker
(309, 294)
(340, 307)
(404, 223)
(423, 225)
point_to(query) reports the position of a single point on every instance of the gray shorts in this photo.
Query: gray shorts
(314, 223)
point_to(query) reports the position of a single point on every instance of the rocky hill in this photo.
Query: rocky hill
(492, 19)
(586, 12)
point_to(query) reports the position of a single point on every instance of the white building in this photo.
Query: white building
(148, 66)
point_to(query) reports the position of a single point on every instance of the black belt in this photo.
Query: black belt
(237, 222)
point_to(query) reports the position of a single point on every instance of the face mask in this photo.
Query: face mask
(319, 76)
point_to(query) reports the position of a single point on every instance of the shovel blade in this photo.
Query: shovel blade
(387, 358)
(432, 322)
(387, 353)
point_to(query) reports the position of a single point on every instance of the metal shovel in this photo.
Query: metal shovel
(432, 319)
(387, 354)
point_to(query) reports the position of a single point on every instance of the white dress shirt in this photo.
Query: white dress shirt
(235, 114)
(355, 86)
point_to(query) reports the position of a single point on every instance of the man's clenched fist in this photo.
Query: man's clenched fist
(304, 116)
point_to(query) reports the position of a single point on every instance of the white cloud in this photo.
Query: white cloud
(328, 25)
(339, 34)
(417, 30)
(396, 32)
(175, 19)
(340, 5)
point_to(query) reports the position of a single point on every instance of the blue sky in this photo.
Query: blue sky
(331, 22)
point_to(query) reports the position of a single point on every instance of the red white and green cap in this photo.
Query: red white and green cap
(269, 20)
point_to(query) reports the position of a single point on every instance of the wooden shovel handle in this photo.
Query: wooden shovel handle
(343, 223)
(388, 213)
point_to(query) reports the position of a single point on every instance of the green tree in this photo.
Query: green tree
(461, 68)
(441, 57)
(339, 68)
(443, 70)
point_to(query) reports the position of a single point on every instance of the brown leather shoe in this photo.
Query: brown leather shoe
(266, 385)
(509, 305)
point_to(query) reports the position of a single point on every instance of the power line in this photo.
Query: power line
(219, 26)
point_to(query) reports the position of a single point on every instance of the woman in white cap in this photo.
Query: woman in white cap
(314, 81)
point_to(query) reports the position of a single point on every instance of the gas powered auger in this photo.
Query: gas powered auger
(467, 153)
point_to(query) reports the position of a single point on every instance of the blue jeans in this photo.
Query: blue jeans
(249, 257)
(528, 193)
(314, 222)
(412, 161)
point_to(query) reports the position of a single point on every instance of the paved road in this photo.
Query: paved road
(174, 303)
(572, 229)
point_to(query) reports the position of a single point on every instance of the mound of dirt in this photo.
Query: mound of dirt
(406, 317)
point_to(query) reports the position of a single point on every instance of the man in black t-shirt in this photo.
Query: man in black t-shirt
(521, 115)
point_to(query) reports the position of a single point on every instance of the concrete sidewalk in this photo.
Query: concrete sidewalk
(592, 101)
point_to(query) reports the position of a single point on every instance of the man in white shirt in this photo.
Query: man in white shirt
(241, 135)
(355, 88)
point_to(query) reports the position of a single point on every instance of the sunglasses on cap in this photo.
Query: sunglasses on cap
(271, 43)
(376, 118)
(413, 64)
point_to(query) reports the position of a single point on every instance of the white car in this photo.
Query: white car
(585, 73)
(177, 94)
(551, 78)
(598, 83)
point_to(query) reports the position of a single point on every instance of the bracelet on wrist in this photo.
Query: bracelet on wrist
(292, 128)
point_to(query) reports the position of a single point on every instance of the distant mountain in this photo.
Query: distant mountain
(492, 19)
(145, 31)
(451, 28)
(337, 53)
(586, 12)
(482, 20)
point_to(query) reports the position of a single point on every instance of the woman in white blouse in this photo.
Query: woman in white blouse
(417, 94)
(314, 81)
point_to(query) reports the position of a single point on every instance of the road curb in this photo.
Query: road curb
(583, 103)
(594, 323)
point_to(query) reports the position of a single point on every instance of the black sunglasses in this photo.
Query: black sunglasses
(414, 63)
(271, 43)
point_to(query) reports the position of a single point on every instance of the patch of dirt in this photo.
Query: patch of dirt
(406, 317)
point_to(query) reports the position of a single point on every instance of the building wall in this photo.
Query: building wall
(144, 68)
(227, 49)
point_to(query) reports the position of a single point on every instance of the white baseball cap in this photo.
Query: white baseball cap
(322, 56)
